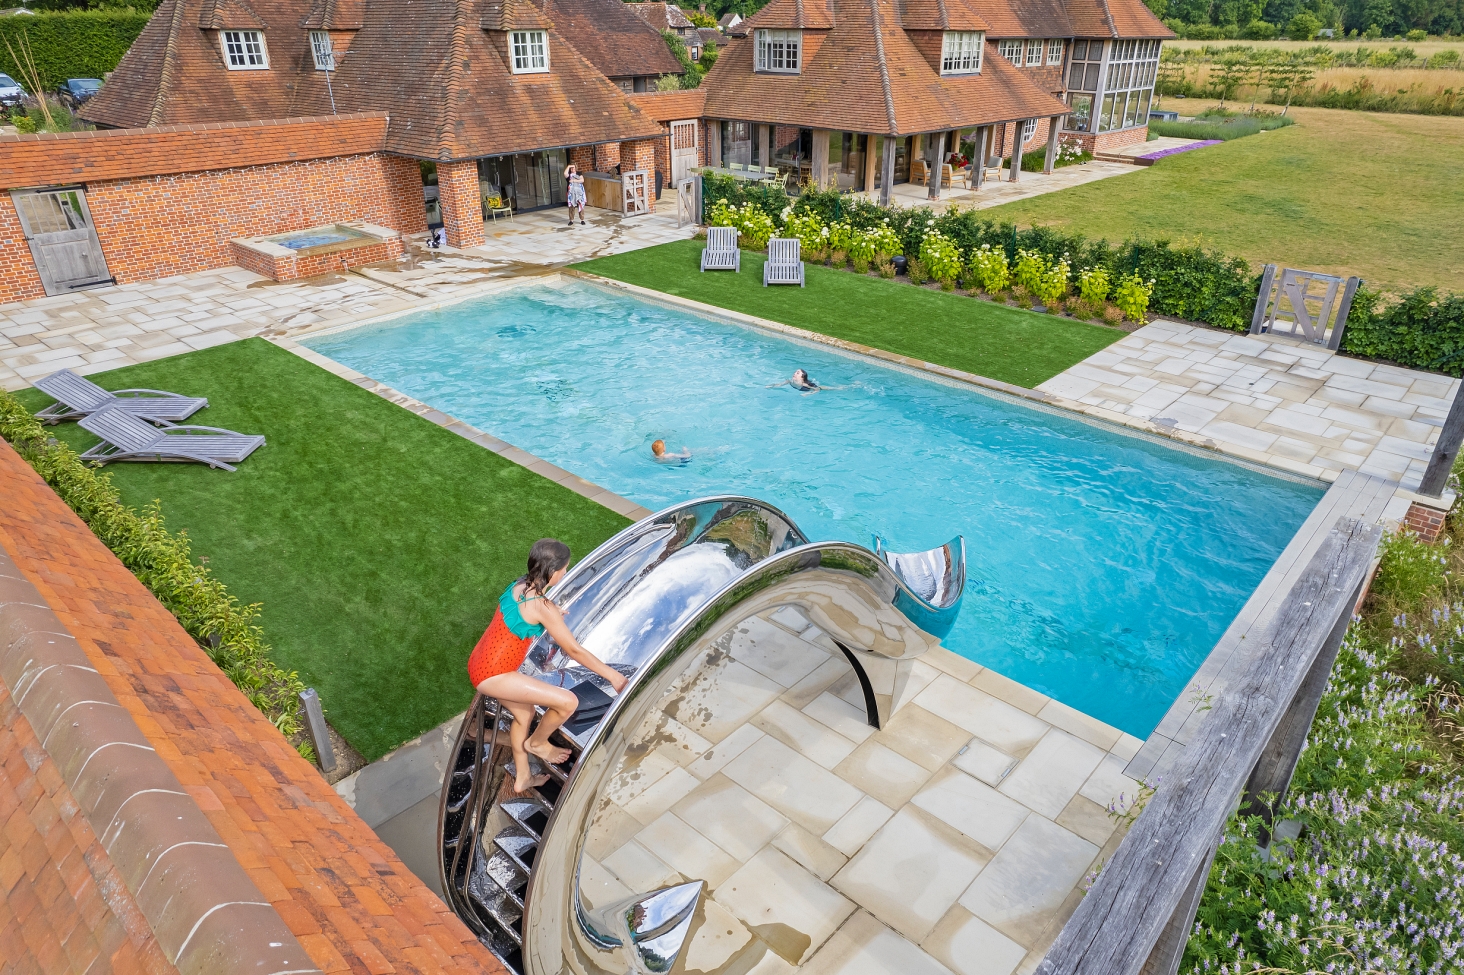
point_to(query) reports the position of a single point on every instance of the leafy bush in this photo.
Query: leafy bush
(163, 563)
(1222, 128)
(1132, 297)
(1029, 270)
(1422, 330)
(861, 264)
(841, 235)
(1053, 286)
(940, 257)
(989, 267)
(771, 198)
(1069, 153)
(808, 228)
(1093, 285)
(754, 227)
(71, 43)
(885, 266)
(916, 271)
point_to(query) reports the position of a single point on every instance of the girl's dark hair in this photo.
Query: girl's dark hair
(546, 557)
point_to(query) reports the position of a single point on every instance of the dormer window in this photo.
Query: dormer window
(244, 50)
(1011, 50)
(779, 50)
(1054, 52)
(960, 52)
(321, 50)
(1034, 54)
(530, 52)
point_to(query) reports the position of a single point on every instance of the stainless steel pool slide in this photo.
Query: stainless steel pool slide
(660, 603)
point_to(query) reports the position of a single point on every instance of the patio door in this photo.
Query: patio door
(63, 242)
(683, 150)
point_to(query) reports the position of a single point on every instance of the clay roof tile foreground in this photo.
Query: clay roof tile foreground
(154, 820)
(432, 65)
(661, 16)
(866, 75)
(612, 38)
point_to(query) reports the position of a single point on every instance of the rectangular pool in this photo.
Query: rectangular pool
(1103, 566)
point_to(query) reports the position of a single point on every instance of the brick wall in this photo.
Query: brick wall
(1108, 140)
(289, 268)
(461, 202)
(18, 277)
(583, 158)
(1424, 521)
(163, 225)
(607, 157)
(641, 154)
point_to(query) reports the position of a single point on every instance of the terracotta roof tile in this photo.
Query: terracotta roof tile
(325, 878)
(661, 16)
(612, 38)
(672, 106)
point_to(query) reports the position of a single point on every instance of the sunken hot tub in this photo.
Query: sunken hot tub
(316, 250)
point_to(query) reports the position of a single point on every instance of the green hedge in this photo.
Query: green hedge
(71, 44)
(1422, 329)
(161, 561)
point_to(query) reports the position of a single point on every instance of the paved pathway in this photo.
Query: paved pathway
(994, 193)
(1273, 400)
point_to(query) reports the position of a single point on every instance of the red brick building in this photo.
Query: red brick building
(863, 95)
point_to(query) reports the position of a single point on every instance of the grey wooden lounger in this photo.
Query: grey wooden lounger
(721, 253)
(77, 397)
(784, 265)
(126, 437)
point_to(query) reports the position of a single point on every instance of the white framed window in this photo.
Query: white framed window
(321, 50)
(1011, 50)
(530, 51)
(696, 54)
(1054, 52)
(960, 52)
(779, 50)
(1029, 129)
(244, 50)
(1034, 54)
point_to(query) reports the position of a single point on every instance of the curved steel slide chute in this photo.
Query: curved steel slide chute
(662, 603)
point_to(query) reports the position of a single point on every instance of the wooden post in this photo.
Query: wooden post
(937, 167)
(1263, 300)
(1273, 771)
(1344, 308)
(315, 724)
(983, 152)
(1436, 477)
(870, 141)
(1053, 126)
(887, 177)
(765, 147)
(820, 161)
(1015, 175)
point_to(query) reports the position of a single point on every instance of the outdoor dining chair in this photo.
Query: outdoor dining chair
(993, 169)
(784, 264)
(125, 437)
(721, 253)
(495, 205)
(77, 396)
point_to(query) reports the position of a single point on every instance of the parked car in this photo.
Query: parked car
(11, 94)
(77, 91)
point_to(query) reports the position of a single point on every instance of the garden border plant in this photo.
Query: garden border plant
(1420, 328)
(162, 562)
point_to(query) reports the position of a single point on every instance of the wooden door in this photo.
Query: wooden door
(683, 150)
(63, 242)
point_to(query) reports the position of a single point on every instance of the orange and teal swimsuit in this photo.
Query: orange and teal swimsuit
(503, 646)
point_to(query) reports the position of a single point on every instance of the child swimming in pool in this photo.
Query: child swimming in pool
(658, 453)
(804, 383)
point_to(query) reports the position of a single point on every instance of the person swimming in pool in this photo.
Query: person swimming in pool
(659, 454)
(804, 383)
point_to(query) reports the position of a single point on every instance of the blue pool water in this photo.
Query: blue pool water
(1103, 567)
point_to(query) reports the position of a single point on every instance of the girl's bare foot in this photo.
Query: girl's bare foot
(548, 752)
(525, 780)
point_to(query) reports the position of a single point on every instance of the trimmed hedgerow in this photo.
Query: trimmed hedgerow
(71, 43)
(1422, 329)
(162, 561)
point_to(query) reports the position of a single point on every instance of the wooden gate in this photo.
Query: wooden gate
(62, 240)
(683, 150)
(634, 192)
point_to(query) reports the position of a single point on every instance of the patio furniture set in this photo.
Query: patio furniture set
(141, 424)
(783, 266)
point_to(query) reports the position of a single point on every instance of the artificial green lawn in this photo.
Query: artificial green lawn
(1015, 346)
(377, 542)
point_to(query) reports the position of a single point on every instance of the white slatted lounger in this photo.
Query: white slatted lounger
(126, 437)
(721, 253)
(77, 396)
(784, 265)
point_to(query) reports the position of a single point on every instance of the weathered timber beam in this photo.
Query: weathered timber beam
(1119, 922)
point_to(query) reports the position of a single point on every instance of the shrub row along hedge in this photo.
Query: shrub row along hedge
(1420, 329)
(71, 44)
(161, 561)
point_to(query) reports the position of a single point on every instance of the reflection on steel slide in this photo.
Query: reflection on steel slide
(662, 602)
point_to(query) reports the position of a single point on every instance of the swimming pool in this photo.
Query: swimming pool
(1102, 566)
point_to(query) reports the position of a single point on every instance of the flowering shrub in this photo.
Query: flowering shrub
(942, 259)
(1093, 285)
(884, 239)
(1031, 266)
(721, 214)
(807, 227)
(754, 227)
(1132, 297)
(1053, 286)
(989, 268)
(1374, 882)
(841, 235)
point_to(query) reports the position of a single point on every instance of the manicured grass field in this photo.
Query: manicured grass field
(1364, 193)
(1015, 346)
(377, 542)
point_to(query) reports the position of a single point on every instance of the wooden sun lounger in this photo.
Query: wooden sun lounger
(721, 253)
(784, 265)
(77, 396)
(127, 437)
